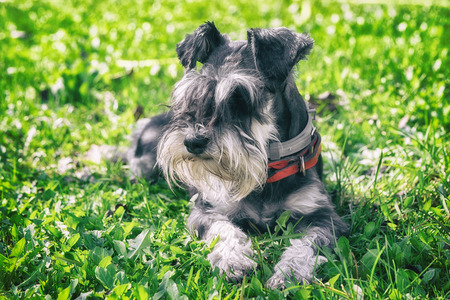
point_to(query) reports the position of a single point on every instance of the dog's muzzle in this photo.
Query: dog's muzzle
(196, 144)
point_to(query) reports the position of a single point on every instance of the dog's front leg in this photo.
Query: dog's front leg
(232, 253)
(301, 258)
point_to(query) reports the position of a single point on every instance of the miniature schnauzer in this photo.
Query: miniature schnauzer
(239, 136)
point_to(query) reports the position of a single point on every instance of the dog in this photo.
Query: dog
(240, 137)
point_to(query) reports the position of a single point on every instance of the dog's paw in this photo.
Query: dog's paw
(234, 263)
(236, 270)
(297, 265)
(232, 253)
(278, 281)
(294, 270)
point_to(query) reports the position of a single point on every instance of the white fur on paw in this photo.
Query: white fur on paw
(232, 253)
(234, 262)
(277, 281)
(300, 265)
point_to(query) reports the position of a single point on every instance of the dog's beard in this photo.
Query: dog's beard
(235, 165)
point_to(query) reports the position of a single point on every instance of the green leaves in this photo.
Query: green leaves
(284, 217)
(68, 291)
(73, 76)
(106, 275)
(333, 280)
(18, 248)
(138, 244)
(71, 242)
(369, 229)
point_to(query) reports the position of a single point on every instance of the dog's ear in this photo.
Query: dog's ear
(199, 45)
(276, 51)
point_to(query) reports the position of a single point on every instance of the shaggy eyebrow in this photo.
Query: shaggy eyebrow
(228, 84)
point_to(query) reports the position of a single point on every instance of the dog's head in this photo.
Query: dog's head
(225, 114)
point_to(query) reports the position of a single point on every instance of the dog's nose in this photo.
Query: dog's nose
(196, 144)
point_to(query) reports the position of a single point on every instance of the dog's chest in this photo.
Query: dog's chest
(250, 213)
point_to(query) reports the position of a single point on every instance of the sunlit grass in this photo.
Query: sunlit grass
(75, 74)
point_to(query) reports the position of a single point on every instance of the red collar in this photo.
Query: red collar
(298, 162)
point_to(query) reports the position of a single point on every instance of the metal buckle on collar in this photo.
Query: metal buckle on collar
(302, 166)
(305, 159)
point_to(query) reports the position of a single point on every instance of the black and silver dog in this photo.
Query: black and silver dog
(240, 137)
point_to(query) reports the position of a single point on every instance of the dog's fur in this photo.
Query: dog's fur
(214, 139)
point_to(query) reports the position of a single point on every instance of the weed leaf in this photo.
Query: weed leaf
(284, 217)
(106, 276)
(333, 280)
(18, 248)
(64, 294)
(139, 243)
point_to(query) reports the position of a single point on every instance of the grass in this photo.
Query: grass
(73, 75)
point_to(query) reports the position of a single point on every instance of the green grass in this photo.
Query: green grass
(70, 228)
